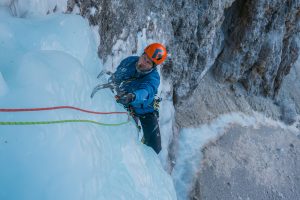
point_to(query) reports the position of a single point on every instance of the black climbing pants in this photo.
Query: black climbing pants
(151, 131)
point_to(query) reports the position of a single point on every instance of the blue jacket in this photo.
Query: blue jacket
(144, 86)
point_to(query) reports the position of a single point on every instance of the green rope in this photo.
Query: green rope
(62, 121)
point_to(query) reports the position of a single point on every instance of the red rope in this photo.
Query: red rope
(57, 107)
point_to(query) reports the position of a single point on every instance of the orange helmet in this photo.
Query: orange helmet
(156, 52)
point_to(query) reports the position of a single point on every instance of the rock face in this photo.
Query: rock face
(250, 163)
(192, 32)
(252, 44)
(123, 20)
(260, 47)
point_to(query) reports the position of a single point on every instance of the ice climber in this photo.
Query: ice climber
(137, 79)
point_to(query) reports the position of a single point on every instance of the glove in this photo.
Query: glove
(125, 99)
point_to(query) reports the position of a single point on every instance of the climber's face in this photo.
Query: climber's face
(144, 63)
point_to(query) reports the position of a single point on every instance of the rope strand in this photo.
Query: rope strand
(60, 121)
(55, 108)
